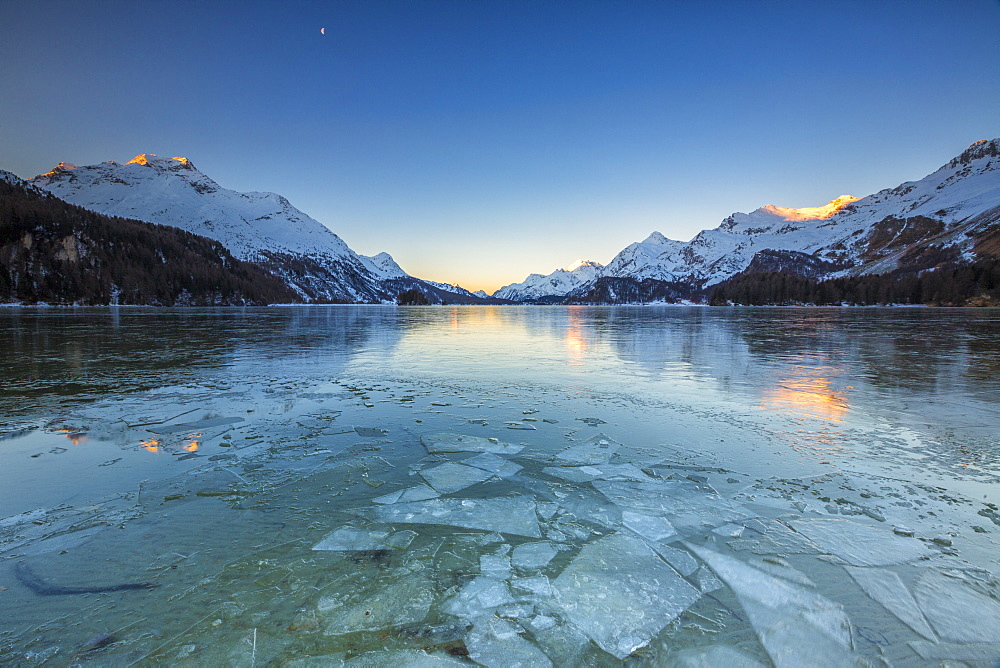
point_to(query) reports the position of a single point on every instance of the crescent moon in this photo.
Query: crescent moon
(322, 31)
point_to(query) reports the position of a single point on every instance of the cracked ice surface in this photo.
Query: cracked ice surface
(450, 477)
(956, 609)
(348, 539)
(859, 544)
(888, 589)
(621, 594)
(510, 515)
(797, 627)
(448, 442)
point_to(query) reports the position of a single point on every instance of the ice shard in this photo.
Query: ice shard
(886, 588)
(595, 450)
(450, 477)
(955, 609)
(506, 514)
(496, 465)
(532, 556)
(449, 442)
(350, 539)
(797, 627)
(619, 593)
(860, 544)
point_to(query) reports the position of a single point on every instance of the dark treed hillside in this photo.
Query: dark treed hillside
(975, 284)
(58, 253)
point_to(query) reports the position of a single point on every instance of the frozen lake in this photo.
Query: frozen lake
(382, 486)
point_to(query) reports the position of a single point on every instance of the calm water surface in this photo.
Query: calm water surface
(842, 462)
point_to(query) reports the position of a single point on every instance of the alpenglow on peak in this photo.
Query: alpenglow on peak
(582, 263)
(149, 159)
(812, 212)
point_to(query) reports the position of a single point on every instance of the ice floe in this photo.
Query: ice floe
(508, 515)
(348, 539)
(888, 589)
(796, 626)
(445, 442)
(859, 544)
(619, 593)
(956, 610)
(451, 477)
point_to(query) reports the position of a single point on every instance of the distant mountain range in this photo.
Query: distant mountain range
(947, 220)
(951, 216)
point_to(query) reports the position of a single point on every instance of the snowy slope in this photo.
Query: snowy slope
(260, 227)
(560, 282)
(849, 231)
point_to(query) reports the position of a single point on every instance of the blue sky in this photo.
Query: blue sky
(478, 141)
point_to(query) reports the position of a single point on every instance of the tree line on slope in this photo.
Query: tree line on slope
(975, 284)
(55, 252)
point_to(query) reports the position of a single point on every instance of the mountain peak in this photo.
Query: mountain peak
(655, 238)
(811, 212)
(582, 263)
(153, 160)
(60, 168)
(983, 148)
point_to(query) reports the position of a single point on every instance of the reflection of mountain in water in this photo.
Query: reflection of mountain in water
(58, 356)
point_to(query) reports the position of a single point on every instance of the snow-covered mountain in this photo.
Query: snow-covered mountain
(263, 228)
(914, 225)
(559, 282)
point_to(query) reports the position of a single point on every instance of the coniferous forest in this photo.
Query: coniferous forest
(976, 284)
(57, 253)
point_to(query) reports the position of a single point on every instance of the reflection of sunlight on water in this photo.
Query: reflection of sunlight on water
(76, 437)
(151, 445)
(809, 395)
(575, 339)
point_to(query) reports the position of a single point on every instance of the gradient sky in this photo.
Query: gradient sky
(479, 141)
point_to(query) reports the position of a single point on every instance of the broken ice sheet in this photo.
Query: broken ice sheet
(859, 544)
(649, 527)
(418, 493)
(685, 504)
(402, 596)
(371, 432)
(348, 539)
(955, 609)
(478, 598)
(797, 627)
(618, 592)
(538, 585)
(532, 556)
(710, 657)
(886, 588)
(595, 450)
(448, 442)
(495, 566)
(507, 514)
(496, 465)
(451, 477)
(496, 643)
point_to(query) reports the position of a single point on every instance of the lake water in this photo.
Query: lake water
(385, 486)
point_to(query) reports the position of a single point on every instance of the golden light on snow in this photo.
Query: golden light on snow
(143, 159)
(75, 437)
(190, 447)
(812, 212)
(151, 445)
